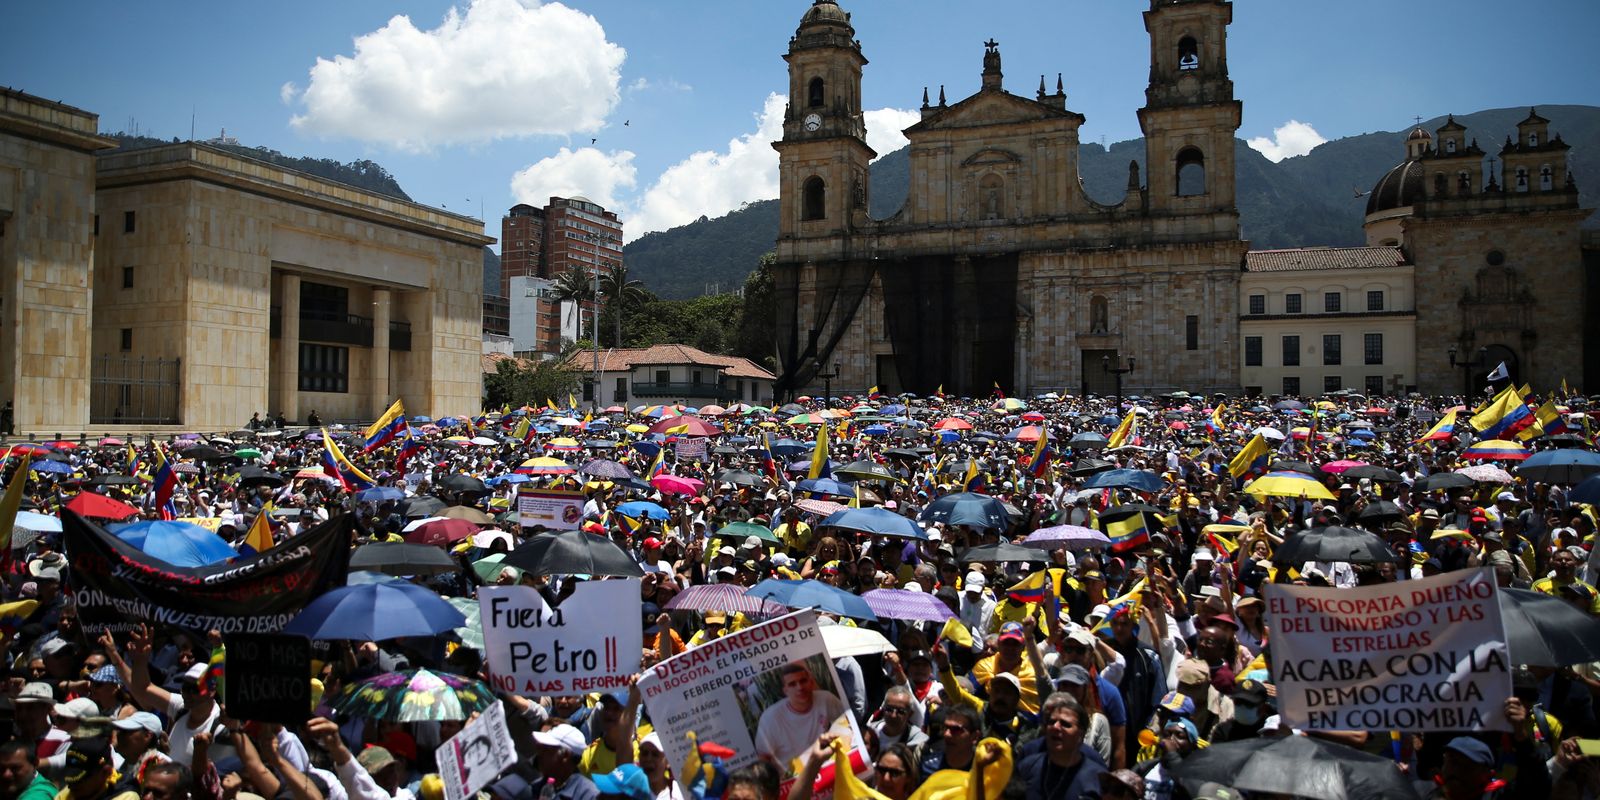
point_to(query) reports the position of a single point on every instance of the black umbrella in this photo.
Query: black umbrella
(1380, 511)
(1374, 473)
(1333, 543)
(966, 508)
(1546, 631)
(1288, 405)
(573, 553)
(903, 454)
(907, 433)
(1567, 440)
(865, 470)
(463, 484)
(1442, 480)
(422, 506)
(253, 475)
(1295, 766)
(1296, 466)
(1003, 551)
(1087, 441)
(1129, 509)
(402, 558)
(1089, 466)
(113, 480)
(203, 452)
(739, 477)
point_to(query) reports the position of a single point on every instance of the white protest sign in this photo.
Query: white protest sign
(691, 449)
(1419, 656)
(764, 692)
(592, 642)
(476, 755)
(555, 509)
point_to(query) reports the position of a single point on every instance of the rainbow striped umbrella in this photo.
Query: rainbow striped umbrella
(1495, 450)
(545, 465)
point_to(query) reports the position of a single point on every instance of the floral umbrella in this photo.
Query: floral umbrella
(415, 696)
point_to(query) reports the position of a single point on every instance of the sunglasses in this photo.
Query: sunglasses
(890, 772)
(956, 729)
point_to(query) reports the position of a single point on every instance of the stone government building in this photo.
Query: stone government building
(188, 286)
(1000, 271)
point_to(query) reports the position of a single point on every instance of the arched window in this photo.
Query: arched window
(1522, 179)
(1188, 53)
(1191, 172)
(991, 197)
(814, 199)
(1099, 314)
(1547, 178)
(814, 93)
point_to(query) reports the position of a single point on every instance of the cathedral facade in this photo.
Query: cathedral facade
(1000, 271)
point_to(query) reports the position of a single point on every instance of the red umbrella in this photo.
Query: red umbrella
(99, 506)
(442, 532)
(688, 425)
(952, 424)
(1032, 416)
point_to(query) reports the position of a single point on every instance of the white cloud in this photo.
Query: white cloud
(502, 68)
(1293, 138)
(662, 85)
(288, 92)
(884, 128)
(585, 172)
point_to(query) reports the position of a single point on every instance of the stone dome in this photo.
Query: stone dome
(825, 11)
(1419, 135)
(1398, 188)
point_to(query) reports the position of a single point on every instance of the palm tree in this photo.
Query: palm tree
(575, 285)
(621, 293)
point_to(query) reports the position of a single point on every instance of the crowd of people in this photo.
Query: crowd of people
(1146, 647)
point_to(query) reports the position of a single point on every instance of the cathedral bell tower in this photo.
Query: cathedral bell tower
(1190, 117)
(823, 156)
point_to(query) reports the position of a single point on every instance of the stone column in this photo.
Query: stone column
(288, 367)
(380, 352)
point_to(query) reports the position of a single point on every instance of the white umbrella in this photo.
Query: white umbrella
(483, 441)
(415, 524)
(41, 523)
(843, 640)
(566, 422)
(1269, 433)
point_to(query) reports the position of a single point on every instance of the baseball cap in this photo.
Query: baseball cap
(1192, 671)
(1250, 690)
(651, 542)
(752, 541)
(1005, 677)
(374, 759)
(715, 616)
(562, 736)
(725, 550)
(196, 671)
(1011, 630)
(1098, 613)
(77, 708)
(1204, 554)
(137, 720)
(974, 582)
(1506, 496)
(1430, 513)
(1081, 637)
(86, 756)
(1473, 750)
(1179, 704)
(781, 560)
(1072, 675)
(627, 781)
(1187, 726)
(36, 692)
(1211, 790)
(55, 646)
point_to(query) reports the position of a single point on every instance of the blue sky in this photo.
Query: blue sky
(485, 103)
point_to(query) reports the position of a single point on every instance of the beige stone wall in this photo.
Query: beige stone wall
(1396, 321)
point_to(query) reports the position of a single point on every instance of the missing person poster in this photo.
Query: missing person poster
(1421, 655)
(551, 509)
(765, 692)
(592, 642)
(477, 755)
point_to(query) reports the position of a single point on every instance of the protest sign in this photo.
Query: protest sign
(765, 692)
(119, 587)
(690, 449)
(554, 509)
(268, 677)
(476, 755)
(1420, 655)
(592, 642)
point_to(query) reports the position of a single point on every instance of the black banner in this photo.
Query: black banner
(117, 586)
(268, 677)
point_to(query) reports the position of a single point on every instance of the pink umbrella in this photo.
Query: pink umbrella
(952, 424)
(677, 484)
(1337, 467)
(906, 604)
(1065, 537)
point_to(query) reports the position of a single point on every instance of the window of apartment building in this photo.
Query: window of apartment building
(1191, 332)
(1258, 304)
(1332, 302)
(1375, 300)
(324, 368)
(1374, 384)
(663, 376)
(1291, 351)
(324, 302)
(1373, 347)
(1291, 303)
(1332, 383)
(1332, 349)
(127, 222)
(127, 339)
(1291, 386)
(127, 277)
(621, 392)
(1252, 351)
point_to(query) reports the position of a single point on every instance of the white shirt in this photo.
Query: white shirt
(786, 734)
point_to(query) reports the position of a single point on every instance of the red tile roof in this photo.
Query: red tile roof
(626, 358)
(1310, 258)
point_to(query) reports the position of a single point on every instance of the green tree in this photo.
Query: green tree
(527, 382)
(757, 334)
(621, 293)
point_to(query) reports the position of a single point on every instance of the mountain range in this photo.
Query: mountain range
(1304, 201)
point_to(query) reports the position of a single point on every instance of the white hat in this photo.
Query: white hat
(196, 671)
(974, 582)
(933, 533)
(77, 708)
(725, 550)
(912, 586)
(1098, 613)
(563, 736)
(1204, 554)
(781, 560)
(1506, 496)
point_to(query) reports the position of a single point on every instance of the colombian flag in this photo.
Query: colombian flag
(1125, 431)
(1031, 589)
(1127, 533)
(166, 482)
(1252, 459)
(1041, 454)
(1215, 425)
(523, 432)
(259, 538)
(658, 466)
(388, 428)
(336, 465)
(1126, 605)
(1506, 415)
(973, 481)
(819, 456)
(1547, 422)
(1444, 429)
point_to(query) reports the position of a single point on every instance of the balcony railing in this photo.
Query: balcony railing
(687, 389)
(335, 328)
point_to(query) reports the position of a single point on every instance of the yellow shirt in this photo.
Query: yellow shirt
(986, 669)
(796, 537)
(1552, 584)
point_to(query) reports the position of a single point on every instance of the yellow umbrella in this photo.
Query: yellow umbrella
(1450, 533)
(1288, 484)
(637, 428)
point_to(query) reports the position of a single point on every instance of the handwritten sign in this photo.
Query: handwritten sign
(477, 755)
(1421, 655)
(552, 509)
(268, 677)
(592, 642)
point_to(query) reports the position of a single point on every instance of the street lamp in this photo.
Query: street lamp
(1118, 371)
(1467, 366)
(827, 384)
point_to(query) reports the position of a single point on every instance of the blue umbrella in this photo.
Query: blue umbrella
(892, 409)
(1566, 465)
(376, 612)
(1124, 478)
(642, 509)
(1361, 433)
(812, 594)
(51, 466)
(514, 477)
(378, 494)
(949, 437)
(789, 447)
(445, 422)
(874, 520)
(875, 430)
(421, 419)
(804, 465)
(966, 508)
(1586, 492)
(647, 448)
(827, 486)
(177, 543)
(597, 424)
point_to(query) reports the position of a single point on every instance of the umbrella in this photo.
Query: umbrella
(1288, 405)
(1441, 480)
(415, 696)
(727, 597)
(744, 530)
(544, 465)
(822, 508)
(739, 477)
(1295, 766)
(827, 486)
(642, 509)
(1288, 484)
(1139, 479)
(1003, 551)
(1333, 543)
(1089, 466)
(441, 532)
(685, 426)
(379, 494)
(1342, 465)
(1546, 631)
(678, 484)
(1065, 536)
(489, 567)
(866, 471)
(180, 544)
(38, 523)
(847, 640)
(54, 467)
(908, 605)
(1286, 465)
(247, 452)
(467, 513)
(376, 612)
(253, 475)
(1586, 492)
(1380, 511)
(573, 553)
(813, 594)
(789, 447)
(205, 452)
(966, 508)
(1370, 472)
(472, 632)
(874, 520)
(952, 424)
(1560, 466)
(113, 480)
(402, 558)
(1486, 473)
(420, 507)
(1495, 450)
(463, 484)
(1268, 433)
